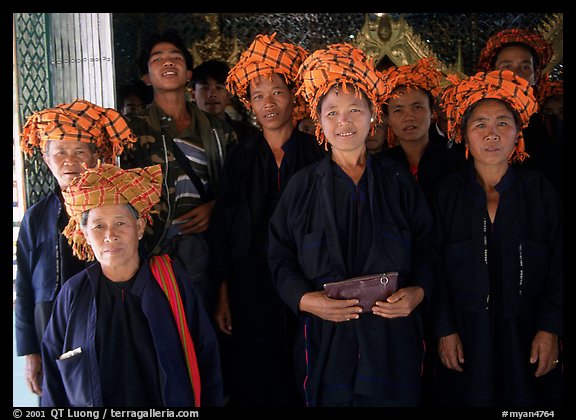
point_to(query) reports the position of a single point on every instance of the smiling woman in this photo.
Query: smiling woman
(328, 226)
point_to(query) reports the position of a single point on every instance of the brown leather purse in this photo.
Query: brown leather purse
(367, 289)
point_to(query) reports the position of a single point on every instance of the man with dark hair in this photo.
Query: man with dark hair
(190, 145)
(133, 98)
(211, 95)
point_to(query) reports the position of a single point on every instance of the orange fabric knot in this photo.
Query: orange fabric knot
(424, 75)
(499, 84)
(339, 64)
(78, 121)
(541, 47)
(109, 184)
(265, 56)
(547, 88)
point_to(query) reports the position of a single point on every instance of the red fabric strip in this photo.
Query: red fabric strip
(162, 269)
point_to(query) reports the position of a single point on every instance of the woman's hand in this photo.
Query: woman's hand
(317, 303)
(544, 351)
(400, 303)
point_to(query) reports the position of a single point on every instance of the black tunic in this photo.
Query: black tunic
(262, 328)
(498, 285)
(126, 352)
(374, 359)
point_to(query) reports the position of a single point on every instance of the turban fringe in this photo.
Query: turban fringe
(424, 74)
(500, 84)
(264, 57)
(339, 64)
(109, 184)
(78, 121)
(533, 40)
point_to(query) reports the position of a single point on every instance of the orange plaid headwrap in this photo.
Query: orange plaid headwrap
(424, 74)
(340, 64)
(81, 121)
(109, 184)
(265, 56)
(498, 84)
(496, 42)
(548, 88)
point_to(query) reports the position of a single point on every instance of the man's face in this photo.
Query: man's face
(167, 68)
(66, 158)
(212, 97)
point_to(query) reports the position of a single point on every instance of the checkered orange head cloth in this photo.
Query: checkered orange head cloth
(340, 64)
(533, 40)
(109, 184)
(81, 121)
(424, 74)
(498, 84)
(265, 56)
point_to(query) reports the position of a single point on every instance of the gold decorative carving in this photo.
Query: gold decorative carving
(552, 30)
(215, 46)
(385, 39)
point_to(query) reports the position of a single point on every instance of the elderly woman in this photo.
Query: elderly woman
(498, 230)
(352, 214)
(114, 338)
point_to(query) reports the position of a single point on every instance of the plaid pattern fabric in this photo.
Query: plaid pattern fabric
(265, 56)
(109, 184)
(339, 64)
(548, 88)
(424, 74)
(533, 40)
(78, 121)
(498, 84)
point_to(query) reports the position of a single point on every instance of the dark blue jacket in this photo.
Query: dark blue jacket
(37, 262)
(76, 381)
(497, 285)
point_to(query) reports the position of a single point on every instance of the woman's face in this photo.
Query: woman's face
(409, 115)
(491, 133)
(345, 119)
(113, 233)
(272, 101)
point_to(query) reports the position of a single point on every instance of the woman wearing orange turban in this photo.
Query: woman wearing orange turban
(498, 231)
(349, 215)
(115, 335)
(527, 54)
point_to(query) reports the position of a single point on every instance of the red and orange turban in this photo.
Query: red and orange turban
(498, 84)
(548, 88)
(80, 121)
(424, 74)
(340, 64)
(265, 56)
(496, 42)
(109, 184)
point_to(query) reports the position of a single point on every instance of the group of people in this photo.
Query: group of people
(191, 273)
